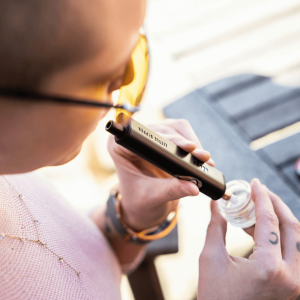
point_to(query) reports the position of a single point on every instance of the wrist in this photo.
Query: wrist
(136, 211)
(140, 220)
(116, 214)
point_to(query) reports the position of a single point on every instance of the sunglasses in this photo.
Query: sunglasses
(131, 91)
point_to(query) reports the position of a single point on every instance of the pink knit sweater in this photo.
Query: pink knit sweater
(28, 270)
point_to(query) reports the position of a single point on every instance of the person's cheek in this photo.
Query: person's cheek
(67, 157)
(79, 124)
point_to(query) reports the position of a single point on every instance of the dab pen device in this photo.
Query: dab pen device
(168, 157)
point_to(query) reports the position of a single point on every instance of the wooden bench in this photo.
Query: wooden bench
(254, 106)
(227, 115)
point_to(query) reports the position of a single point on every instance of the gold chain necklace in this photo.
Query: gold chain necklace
(36, 223)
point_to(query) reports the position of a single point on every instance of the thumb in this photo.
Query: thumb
(169, 189)
(216, 231)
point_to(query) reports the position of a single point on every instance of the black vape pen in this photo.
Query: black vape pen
(168, 157)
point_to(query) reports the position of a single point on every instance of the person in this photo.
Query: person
(82, 50)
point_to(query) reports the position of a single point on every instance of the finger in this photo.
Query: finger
(250, 230)
(214, 251)
(197, 152)
(289, 228)
(211, 162)
(181, 142)
(184, 128)
(214, 257)
(170, 189)
(216, 231)
(266, 233)
(189, 146)
(202, 155)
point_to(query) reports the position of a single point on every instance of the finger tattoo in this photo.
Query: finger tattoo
(276, 239)
(298, 246)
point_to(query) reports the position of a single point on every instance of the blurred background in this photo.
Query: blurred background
(192, 43)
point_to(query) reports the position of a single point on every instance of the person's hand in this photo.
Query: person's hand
(149, 194)
(271, 272)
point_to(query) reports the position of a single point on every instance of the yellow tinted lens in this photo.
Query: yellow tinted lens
(135, 79)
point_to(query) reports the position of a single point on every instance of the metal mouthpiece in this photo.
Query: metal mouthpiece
(114, 128)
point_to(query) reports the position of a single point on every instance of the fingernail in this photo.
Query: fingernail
(185, 190)
(256, 181)
(184, 143)
(211, 162)
(201, 152)
(190, 190)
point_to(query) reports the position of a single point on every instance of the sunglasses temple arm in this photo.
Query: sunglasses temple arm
(127, 107)
(36, 96)
(130, 108)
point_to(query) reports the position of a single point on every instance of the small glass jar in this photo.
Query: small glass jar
(240, 212)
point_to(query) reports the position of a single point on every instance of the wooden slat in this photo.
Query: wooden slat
(233, 84)
(168, 8)
(283, 151)
(229, 26)
(250, 100)
(270, 48)
(242, 48)
(282, 57)
(272, 118)
(273, 63)
(163, 15)
(186, 16)
(289, 78)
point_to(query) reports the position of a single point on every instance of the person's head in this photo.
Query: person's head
(76, 48)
